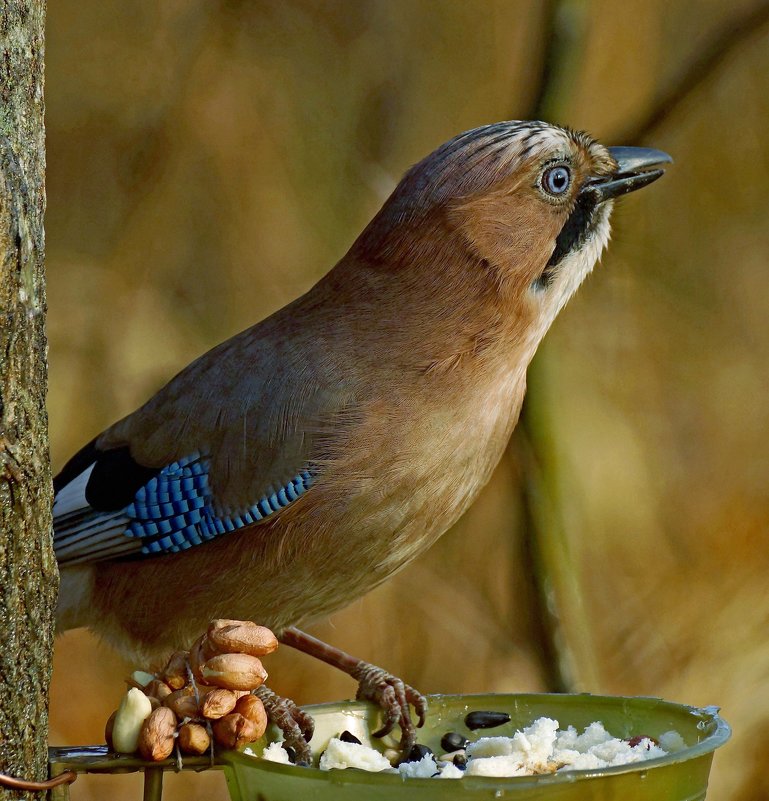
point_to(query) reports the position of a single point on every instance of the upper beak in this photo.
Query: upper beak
(636, 167)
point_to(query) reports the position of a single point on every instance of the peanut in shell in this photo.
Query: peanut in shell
(193, 738)
(234, 671)
(234, 730)
(241, 637)
(156, 739)
(157, 689)
(253, 709)
(182, 703)
(218, 703)
(174, 674)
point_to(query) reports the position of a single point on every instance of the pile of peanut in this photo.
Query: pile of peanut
(200, 693)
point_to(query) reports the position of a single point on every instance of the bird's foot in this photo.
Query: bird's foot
(297, 726)
(393, 696)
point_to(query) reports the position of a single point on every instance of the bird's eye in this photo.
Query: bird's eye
(556, 180)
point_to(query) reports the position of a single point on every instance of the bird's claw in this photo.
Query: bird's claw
(394, 696)
(297, 726)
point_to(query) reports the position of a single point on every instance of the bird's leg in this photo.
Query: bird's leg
(297, 726)
(374, 684)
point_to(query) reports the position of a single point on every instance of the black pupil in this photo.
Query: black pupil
(557, 179)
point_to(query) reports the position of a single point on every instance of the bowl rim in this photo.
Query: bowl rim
(709, 717)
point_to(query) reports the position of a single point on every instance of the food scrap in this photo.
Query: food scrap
(540, 748)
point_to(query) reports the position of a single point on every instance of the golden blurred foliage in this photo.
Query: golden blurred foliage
(209, 160)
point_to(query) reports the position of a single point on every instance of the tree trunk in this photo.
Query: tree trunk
(28, 574)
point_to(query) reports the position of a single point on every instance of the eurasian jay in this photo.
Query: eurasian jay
(296, 466)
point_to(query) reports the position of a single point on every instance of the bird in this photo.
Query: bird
(296, 466)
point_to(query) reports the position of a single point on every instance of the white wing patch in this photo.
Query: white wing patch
(71, 498)
(81, 533)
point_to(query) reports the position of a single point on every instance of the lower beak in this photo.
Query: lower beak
(636, 167)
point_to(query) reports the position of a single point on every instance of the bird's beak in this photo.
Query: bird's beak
(636, 167)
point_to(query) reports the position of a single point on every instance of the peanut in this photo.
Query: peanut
(218, 703)
(156, 739)
(157, 689)
(194, 739)
(252, 709)
(182, 703)
(134, 709)
(175, 672)
(234, 730)
(234, 671)
(241, 637)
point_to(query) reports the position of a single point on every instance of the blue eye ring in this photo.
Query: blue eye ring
(556, 180)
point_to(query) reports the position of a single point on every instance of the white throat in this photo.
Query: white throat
(572, 271)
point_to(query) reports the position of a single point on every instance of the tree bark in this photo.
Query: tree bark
(28, 573)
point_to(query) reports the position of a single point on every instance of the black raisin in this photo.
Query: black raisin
(453, 741)
(291, 753)
(418, 751)
(486, 720)
(349, 737)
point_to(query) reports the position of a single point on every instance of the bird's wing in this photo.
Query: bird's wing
(231, 441)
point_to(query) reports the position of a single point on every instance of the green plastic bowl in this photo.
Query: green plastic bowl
(682, 776)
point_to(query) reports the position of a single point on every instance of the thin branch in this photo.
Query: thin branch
(563, 31)
(564, 28)
(697, 72)
(549, 56)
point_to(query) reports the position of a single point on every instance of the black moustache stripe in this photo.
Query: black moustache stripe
(575, 231)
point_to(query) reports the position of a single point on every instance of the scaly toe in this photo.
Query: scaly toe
(393, 696)
(297, 726)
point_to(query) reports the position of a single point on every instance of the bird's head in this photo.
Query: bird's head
(527, 204)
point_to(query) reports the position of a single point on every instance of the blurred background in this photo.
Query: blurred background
(209, 161)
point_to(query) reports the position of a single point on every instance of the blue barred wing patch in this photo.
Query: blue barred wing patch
(174, 510)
